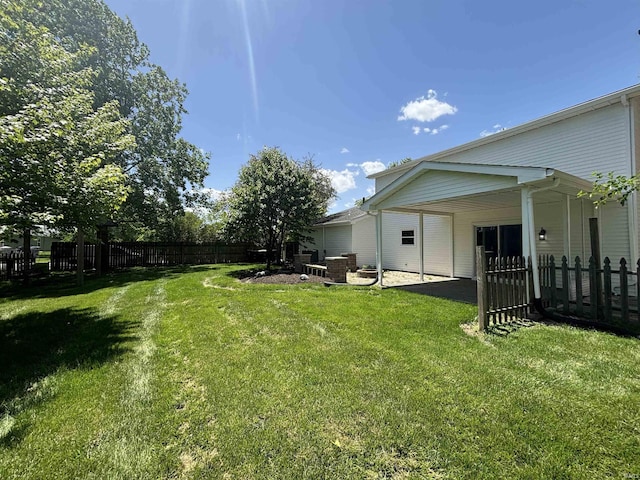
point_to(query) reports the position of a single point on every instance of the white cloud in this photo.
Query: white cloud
(435, 131)
(416, 130)
(369, 168)
(342, 181)
(371, 190)
(238, 137)
(426, 109)
(212, 193)
(496, 128)
(344, 150)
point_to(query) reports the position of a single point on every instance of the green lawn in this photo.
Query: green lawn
(192, 374)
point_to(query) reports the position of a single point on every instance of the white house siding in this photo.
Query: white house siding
(385, 180)
(437, 245)
(337, 240)
(464, 230)
(364, 240)
(596, 141)
(396, 256)
(315, 243)
(436, 185)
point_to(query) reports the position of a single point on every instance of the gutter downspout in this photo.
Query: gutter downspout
(532, 242)
(378, 226)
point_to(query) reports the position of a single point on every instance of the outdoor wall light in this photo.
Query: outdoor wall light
(542, 235)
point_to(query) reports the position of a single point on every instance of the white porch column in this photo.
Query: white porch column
(526, 246)
(379, 245)
(524, 208)
(421, 244)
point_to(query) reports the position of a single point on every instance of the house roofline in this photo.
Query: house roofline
(526, 175)
(620, 96)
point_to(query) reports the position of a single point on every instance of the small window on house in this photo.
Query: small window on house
(408, 237)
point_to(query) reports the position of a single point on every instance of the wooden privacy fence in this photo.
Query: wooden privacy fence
(12, 265)
(502, 285)
(607, 294)
(146, 254)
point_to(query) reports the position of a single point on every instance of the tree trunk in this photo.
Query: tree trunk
(80, 258)
(26, 250)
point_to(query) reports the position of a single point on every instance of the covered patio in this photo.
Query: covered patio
(529, 200)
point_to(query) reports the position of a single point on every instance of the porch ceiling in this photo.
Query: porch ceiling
(466, 189)
(485, 201)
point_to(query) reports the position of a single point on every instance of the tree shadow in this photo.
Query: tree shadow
(64, 284)
(34, 345)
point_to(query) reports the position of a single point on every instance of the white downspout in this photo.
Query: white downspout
(532, 237)
(378, 218)
(379, 246)
(421, 245)
(632, 203)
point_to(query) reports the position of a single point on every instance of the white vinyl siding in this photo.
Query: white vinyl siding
(465, 239)
(436, 185)
(396, 256)
(337, 240)
(385, 180)
(614, 223)
(315, 243)
(437, 245)
(595, 141)
(364, 241)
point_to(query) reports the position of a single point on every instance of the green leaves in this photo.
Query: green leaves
(612, 187)
(55, 148)
(276, 198)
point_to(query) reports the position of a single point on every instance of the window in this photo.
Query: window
(408, 237)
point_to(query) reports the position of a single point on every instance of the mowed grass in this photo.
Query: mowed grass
(192, 374)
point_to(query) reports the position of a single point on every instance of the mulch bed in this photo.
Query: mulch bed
(285, 278)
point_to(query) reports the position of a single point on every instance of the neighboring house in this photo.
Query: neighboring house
(41, 239)
(500, 191)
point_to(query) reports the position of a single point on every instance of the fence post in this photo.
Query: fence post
(624, 290)
(481, 268)
(579, 305)
(593, 289)
(607, 289)
(565, 284)
(638, 290)
(552, 281)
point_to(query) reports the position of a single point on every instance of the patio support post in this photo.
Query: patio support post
(421, 244)
(526, 249)
(379, 245)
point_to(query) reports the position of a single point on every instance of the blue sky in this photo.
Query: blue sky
(358, 84)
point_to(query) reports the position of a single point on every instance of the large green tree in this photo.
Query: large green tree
(163, 169)
(276, 198)
(57, 152)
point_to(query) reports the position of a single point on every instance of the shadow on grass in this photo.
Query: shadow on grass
(459, 290)
(64, 284)
(37, 344)
(512, 326)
